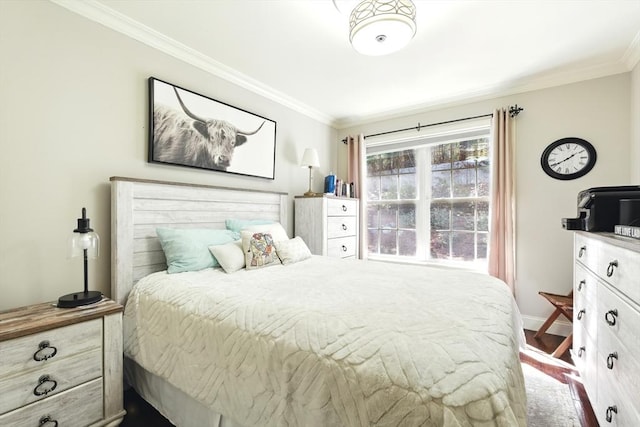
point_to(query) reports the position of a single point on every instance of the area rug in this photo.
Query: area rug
(549, 401)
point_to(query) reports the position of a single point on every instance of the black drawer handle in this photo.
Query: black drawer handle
(581, 284)
(344, 248)
(610, 411)
(344, 227)
(45, 385)
(581, 314)
(44, 421)
(344, 208)
(611, 268)
(610, 316)
(581, 252)
(581, 351)
(45, 351)
(610, 359)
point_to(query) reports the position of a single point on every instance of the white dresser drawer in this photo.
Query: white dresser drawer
(618, 364)
(78, 407)
(342, 247)
(341, 226)
(342, 207)
(585, 356)
(619, 319)
(20, 354)
(49, 380)
(586, 251)
(621, 268)
(615, 407)
(584, 300)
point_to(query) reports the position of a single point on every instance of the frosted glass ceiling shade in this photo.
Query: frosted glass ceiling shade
(380, 27)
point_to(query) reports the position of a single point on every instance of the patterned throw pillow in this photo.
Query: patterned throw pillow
(259, 250)
(293, 250)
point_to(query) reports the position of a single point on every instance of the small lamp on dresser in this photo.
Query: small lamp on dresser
(310, 160)
(84, 242)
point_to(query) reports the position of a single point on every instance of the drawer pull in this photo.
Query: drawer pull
(610, 316)
(344, 208)
(581, 314)
(610, 411)
(581, 284)
(581, 351)
(581, 252)
(45, 386)
(344, 227)
(48, 422)
(45, 351)
(610, 359)
(344, 248)
(611, 268)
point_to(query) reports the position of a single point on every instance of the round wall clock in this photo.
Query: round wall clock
(568, 158)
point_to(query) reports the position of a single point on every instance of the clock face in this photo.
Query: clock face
(568, 158)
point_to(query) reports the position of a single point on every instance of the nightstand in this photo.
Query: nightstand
(61, 366)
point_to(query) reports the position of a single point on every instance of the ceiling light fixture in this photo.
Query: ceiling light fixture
(380, 27)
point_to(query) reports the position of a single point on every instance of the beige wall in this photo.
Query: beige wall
(635, 125)
(596, 110)
(74, 113)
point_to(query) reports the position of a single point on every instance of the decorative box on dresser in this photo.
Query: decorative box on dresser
(606, 325)
(328, 225)
(61, 366)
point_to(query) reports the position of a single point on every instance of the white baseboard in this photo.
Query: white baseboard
(559, 327)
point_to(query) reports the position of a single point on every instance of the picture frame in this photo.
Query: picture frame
(193, 130)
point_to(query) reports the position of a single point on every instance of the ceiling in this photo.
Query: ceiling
(297, 52)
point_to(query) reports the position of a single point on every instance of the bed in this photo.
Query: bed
(318, 342)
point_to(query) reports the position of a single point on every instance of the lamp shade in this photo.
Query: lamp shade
(310, 158)
(380, 27)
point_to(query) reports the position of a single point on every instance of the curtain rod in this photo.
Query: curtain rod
(514, 110)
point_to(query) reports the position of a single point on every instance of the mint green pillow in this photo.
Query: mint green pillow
(238, 224)
(187, 249)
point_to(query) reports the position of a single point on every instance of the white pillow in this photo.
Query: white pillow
(276, 230)
(259, 250)
(291, 251)
(230, 256)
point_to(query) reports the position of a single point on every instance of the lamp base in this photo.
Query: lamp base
(79, 298)
(309, 194)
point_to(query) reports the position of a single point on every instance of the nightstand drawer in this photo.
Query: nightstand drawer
(18, 355)
(78, 407)
(342, 247)
(341, 226)
(49, 380)
(341, 207)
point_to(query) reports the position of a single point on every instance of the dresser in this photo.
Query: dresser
(61, 366)
(606, 325)
(328, 225)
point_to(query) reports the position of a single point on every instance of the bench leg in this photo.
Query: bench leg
(564, 345)
(547, 323)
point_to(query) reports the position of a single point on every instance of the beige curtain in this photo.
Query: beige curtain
(356, 173)
(502, 248)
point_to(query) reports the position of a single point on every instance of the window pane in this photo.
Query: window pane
(388, 240)
(389, 187)
(441, 215)
(462, 246)
(464, 183)
(441, 157)
(483, 181)
(374, 165)
(463, 216)
(407, 242)
(388, 164)
(372, 244)
(440, 244)
(483, 216)
(372, 216)
(388, 216)
(373, 188)
(407, 216)
(483, 241)
(408, 187)
(441, 184)
(406, 161)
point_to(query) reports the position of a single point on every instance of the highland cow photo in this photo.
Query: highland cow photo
(188, 129)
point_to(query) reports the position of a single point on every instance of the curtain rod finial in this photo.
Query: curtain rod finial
(514, 110)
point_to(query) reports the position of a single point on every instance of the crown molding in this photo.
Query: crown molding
(98, 12)
(632, 55)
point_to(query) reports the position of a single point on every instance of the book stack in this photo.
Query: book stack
(627, 231)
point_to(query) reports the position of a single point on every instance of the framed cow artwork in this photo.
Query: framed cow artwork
(189, 129)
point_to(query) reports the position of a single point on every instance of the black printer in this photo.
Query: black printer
(602, 208)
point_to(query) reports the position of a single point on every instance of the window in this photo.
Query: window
(430, 202)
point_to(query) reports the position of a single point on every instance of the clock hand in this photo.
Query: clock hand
(562, 161)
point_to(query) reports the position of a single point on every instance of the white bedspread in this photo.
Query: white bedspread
(330, 342)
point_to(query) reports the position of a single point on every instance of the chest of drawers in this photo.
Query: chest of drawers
(61, 366)
(328, 225)
(606, 346)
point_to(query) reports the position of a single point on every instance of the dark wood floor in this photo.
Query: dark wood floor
(141, 414)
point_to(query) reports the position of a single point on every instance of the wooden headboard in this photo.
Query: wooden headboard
(139, 206)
